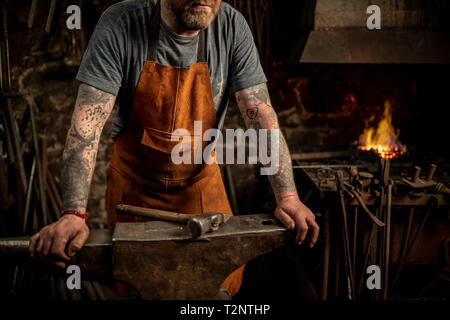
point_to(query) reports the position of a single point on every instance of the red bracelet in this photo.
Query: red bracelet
(76, 213)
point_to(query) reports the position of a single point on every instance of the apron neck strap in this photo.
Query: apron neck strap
(154, 27)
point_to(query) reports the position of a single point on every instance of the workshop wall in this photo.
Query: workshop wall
(43, 74)
(44, 66)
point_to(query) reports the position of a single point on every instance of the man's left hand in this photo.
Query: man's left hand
(293, 213)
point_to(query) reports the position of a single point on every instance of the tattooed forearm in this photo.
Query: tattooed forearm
(92, 109)
(256, 108)
(282, 182)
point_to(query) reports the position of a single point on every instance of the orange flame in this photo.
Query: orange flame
(384, 138)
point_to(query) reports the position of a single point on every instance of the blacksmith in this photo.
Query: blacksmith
(165, 64)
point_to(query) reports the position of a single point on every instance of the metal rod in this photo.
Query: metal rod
(32, 13)
(387, 240)
(50, 16)
(28, 196)
(337, 265)
(366, 257)
(5, 49)
(40, 177)
(430, 172)
(325, 254)
(9, 146)
(15, 277)
(355, 234)
(51, 198)
(378, 248)
(416, 173)
(407, 235)
(318, 155)
(320, 166)
(44, 162)
(347, 260)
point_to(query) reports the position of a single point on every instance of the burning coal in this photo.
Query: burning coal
(384, 138)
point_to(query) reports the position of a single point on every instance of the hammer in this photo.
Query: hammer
(197, 224)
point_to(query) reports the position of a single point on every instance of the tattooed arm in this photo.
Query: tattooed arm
(256, 108)
(92, 109)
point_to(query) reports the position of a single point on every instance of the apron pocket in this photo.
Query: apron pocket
(163, 142)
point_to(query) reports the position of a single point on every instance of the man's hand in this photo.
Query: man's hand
(293, 213)
(51, 241)
(258, 113)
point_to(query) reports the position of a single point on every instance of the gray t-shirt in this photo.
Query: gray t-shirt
(118, 48)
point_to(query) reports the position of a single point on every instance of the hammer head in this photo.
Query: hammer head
(206, 222)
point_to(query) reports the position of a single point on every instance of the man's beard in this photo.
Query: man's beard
(190, 18)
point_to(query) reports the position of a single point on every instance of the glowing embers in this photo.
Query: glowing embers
(383, 138)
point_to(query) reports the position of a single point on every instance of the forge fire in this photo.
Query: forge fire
(382, 138)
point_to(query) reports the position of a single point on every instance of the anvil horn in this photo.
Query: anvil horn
(94, 259)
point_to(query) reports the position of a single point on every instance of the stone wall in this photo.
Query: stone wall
(43, 74)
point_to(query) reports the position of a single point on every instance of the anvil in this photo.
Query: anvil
(162, 261)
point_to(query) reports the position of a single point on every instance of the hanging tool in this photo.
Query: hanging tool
(387, 240)
(347, 254)
(353, 192)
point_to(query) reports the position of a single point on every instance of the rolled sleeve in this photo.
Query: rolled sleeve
(101, 66)
(246, 69)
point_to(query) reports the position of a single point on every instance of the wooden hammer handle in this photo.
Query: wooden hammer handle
(153, 213)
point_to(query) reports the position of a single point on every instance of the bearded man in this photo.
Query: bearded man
(166, 64)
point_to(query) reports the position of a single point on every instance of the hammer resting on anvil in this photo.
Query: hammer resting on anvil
(197, 224)
(162, 260)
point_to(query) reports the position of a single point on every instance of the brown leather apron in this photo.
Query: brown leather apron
(141, 171)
